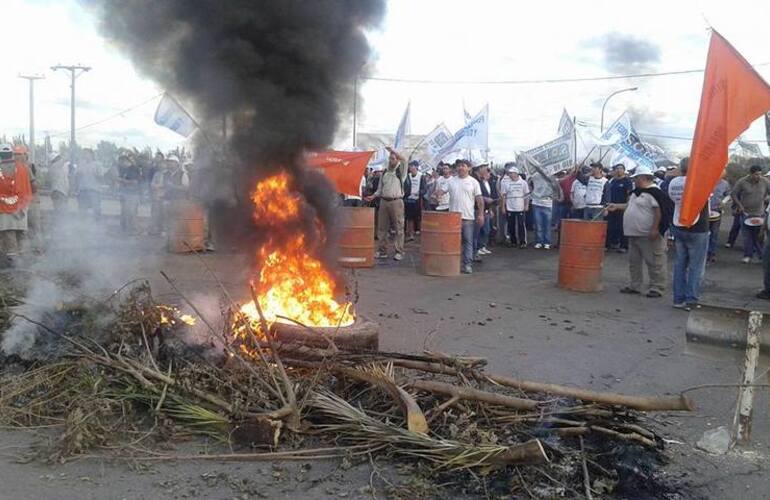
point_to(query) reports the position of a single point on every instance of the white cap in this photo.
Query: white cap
(513, 170)
(642, 170)
(173, 157)
(660, 169)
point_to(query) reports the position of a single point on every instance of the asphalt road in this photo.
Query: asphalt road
(509, 311)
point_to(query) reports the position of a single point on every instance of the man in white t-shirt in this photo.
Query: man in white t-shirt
(594, 192)
(515, 192)
(465, 198)
(442, 185)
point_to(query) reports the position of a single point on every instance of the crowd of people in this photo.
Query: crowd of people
(641, 210)
(160, 180)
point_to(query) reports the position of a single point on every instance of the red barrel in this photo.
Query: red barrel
(581, 255)
(441, 240)
(357, 238)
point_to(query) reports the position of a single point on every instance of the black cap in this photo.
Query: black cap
(414, 163)
(755, 168)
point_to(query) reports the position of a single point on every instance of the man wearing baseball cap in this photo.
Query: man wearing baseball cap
(646, 216)
(515, 192)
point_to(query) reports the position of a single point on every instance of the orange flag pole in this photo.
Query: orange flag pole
(733, 96)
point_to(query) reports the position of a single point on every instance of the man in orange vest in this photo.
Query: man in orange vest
(15, 196)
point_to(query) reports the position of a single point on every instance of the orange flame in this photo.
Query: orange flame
(293, 285)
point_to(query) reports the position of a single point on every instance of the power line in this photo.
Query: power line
(111, 117)
(544, 80)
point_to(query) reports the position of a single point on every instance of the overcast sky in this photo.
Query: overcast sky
(480, 40)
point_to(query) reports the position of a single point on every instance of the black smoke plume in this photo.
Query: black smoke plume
(279, 70)
(626, 54)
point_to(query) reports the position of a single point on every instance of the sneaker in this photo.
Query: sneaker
(764, 295)
(682, 306)
(622, 250)
(477, 259)
(538, 246)
(728, 245)
(629, 290)
(398, 256)
(547, 246)
(523, 245)
(484, 251)
(467, 269)
(692, 305)
(417, 233)
(746, 260)
(380, 255)
(653, 294)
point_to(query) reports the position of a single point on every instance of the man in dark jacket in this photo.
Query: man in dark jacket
(414, 192)
(617, 191)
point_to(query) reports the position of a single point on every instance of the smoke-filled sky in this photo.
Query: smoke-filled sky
(443, 40)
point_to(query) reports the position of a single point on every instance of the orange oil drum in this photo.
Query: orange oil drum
(186, 226)
(441, 243)
(357, 238)
(581, 255)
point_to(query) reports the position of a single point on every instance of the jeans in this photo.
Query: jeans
(467, 233)
(516, 228)
(577, 213)
(751, 241)
(689, 264)
(542, 218)
(561, 211)
(714, 236)
(481, 237)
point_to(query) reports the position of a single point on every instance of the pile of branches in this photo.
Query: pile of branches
(142, 387)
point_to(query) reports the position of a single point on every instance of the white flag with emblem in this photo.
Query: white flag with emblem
(173, 116)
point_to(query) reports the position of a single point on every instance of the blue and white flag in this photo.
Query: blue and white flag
(172, 115)
(404, 129)
(629, 148)
(466, 116)
(566, 126)
(474, 135)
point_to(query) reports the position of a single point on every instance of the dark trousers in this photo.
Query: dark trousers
(751, 241)
(412, 213)
(517, 228)
(615, 237)
(735, 229)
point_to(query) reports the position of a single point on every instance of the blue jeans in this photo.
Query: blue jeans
(481, 238)
(468, 231)
(542, 218)
(714, 237)
(689, 264)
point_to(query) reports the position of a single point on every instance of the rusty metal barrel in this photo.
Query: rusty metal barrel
(186, 226)
(441, 243)
(581, 254)
(357, 238)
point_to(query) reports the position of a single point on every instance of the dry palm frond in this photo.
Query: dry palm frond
(357, 426)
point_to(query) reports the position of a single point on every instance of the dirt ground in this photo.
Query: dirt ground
(509, 311)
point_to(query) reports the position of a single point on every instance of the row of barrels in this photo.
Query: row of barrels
(581, 247)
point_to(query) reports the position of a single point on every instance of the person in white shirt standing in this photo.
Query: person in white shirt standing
(442, 186)
(465, 198)
(578, 193)
(515, 192)
(594, 192)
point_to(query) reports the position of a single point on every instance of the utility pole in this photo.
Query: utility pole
(31, 79)
(75, 71)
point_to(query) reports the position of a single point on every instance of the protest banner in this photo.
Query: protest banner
(553, 156)
(628, 147)
(474, 135)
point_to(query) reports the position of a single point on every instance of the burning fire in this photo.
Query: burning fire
(293, 286)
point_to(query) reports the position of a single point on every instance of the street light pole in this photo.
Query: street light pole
(630, 89)
(75, 71)
(601, 123)
(31, 79)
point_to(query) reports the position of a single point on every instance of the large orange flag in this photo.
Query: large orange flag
(734, 95)
(343, 168)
